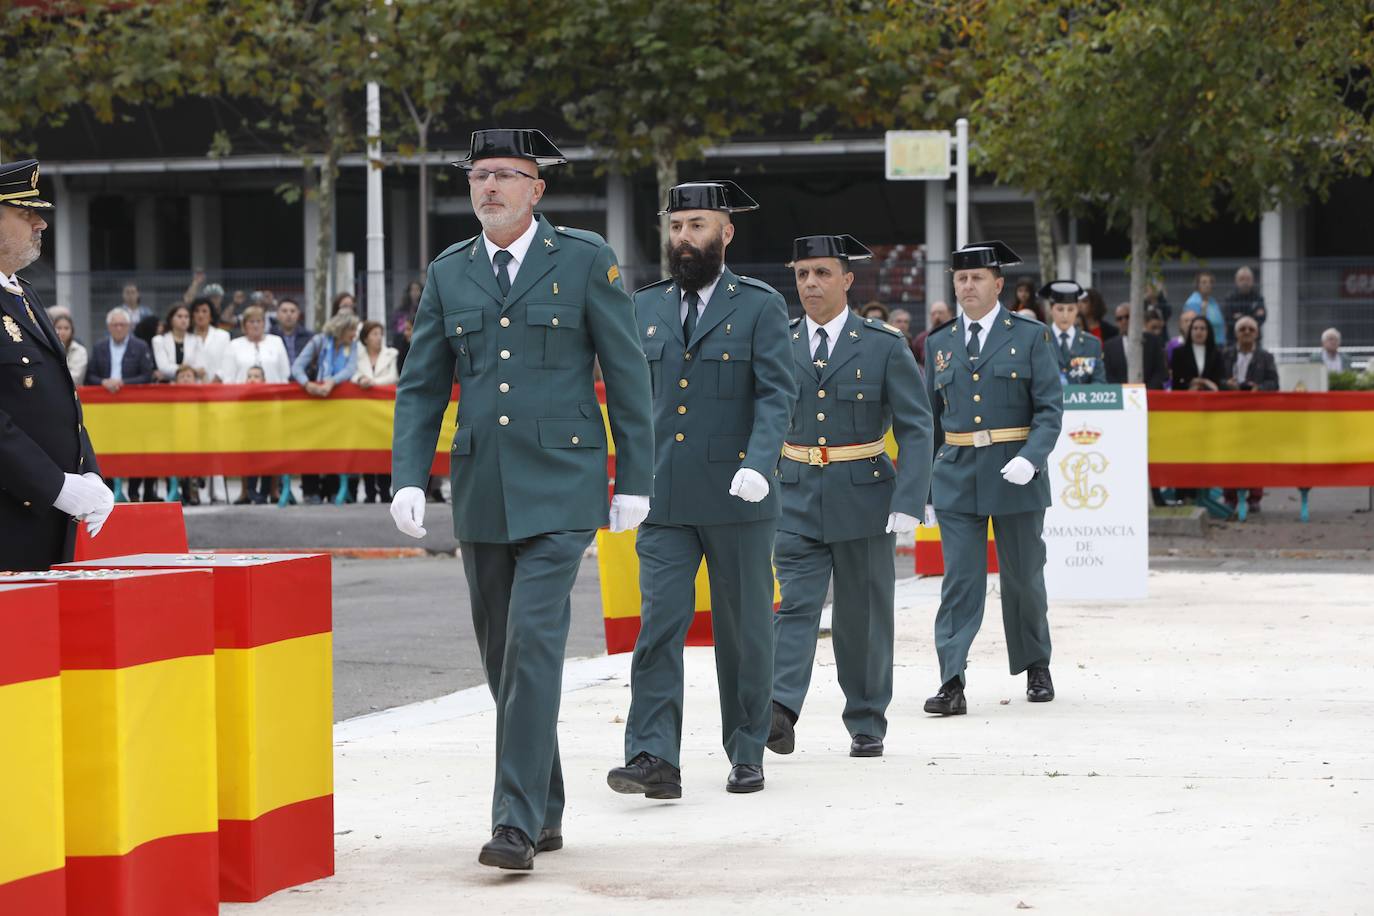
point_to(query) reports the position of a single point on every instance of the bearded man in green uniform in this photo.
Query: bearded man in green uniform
(717, 346)
(993, 381)
(843, 500)
(520, 313)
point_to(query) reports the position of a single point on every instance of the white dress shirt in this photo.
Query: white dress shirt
(518, 249)
(117, 358)
(704, 295)
(833, 328)
(984, 326)
(11, 283)
(209, 352)
(1242, 363)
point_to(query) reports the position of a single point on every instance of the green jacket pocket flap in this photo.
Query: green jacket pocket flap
(553, 316)
(575, 433)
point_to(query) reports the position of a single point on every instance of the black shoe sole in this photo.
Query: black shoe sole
(627, 786)
(874, 753)
(959, 710)
(550, 845)
(782, 745)
(1032, 699)
(497, 860)
(742, 790)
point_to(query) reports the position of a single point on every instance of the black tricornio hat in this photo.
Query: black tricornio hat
(709, 195)
(984, 254)
(1061, 291)
(845, 247)
(512, 143)
(19, 185)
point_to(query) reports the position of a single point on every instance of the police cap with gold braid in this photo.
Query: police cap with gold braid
(19, 185)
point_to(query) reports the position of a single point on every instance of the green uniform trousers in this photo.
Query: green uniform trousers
(521, 610)
(1021, 565)
(739, 558)
(861, 623)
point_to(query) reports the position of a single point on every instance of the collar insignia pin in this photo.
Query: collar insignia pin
(854, 334)
(548, 243)
(1007, 322)
(727, 328)
(796, 335)
(555, 289)
(729, 287)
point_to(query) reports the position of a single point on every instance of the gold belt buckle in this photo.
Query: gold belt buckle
(982, 438)
(817, 455)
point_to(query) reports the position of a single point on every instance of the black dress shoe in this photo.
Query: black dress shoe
(949, 701)
(1039, 687)
(647, 775)
(745, 777)
(550, 838)
(508, 848)
(866, 746)
(782, 739)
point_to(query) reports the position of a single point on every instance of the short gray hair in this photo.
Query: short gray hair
(117, 311)
(338, 323)
(1331, 332)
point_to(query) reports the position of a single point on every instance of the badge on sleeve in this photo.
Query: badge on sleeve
(613, 273)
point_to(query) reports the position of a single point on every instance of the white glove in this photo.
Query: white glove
(901, 523)
(81, 496)
(408, 511)
(749, 485)
(1018, 471)
(627, 512)
(930, 521)
(95, 520)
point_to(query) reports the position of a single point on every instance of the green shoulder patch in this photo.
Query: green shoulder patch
(757, 284)
(582, 235)
(655, 284)
(877, 325)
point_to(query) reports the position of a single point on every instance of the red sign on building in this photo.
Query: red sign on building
(1357, 283)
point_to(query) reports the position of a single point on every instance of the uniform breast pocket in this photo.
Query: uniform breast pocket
(552, 336)
(462, 442)
(866, 402)
(464, 332)
(21, 364)
(874, 470)
(731, 364)
(1014, 381)
(653, 352)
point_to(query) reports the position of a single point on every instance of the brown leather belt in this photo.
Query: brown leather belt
(821, 455)
(984, 437)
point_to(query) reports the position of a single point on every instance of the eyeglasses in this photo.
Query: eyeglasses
(503, 176)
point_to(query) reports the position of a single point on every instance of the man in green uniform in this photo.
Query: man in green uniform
(1079, 353)
(520, 312)
(993, 381)
(717, 345)
(843, 501)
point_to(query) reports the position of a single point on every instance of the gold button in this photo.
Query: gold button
(876, 474)
(1013, 351)
(741, 456)
(682, 383)
(505, 354)
(504, 421)
(687, 355)
(820, 416)
(505, 321)
(458, 330)
(975, 376)
(820, 440)
(576, 440)
(505, 386)
(679, 437)
(860, 395)
(681, 408)
(1013, 375)
(977, 419)
(821, 393)
(555, 321)
(977, 397)
(725, 356)
(24, 360)
(27, 504)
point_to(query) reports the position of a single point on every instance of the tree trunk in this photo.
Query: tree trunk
(1140, 253)
(1044, 239)
(666, 166)
(424, 198)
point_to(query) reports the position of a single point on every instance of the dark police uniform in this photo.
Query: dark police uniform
(838, 489)
(528, 458)
(1005, 401)
(1079, 353)
(42, 432)
(722, 402)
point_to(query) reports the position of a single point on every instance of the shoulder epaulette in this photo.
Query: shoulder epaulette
(758, 284)
(455, 248)
(1032, 319)
(655, 284)
(878, 325)
(941, 326)
(794, 322)
(582, 235)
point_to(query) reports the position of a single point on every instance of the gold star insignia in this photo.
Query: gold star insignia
(548, 243)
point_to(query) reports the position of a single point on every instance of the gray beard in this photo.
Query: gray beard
(506, 219)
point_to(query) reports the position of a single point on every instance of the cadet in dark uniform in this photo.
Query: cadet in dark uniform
(520, 312)
(993, 380)
(717, 345)
(842, 499)
(1079, 353)
(48, 471)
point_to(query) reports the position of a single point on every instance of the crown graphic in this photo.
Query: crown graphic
(1085, 435)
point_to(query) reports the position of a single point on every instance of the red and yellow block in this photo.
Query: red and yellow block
(135, 528)
(274, 676)
(930, 555)
(32, 855)
(138, 740)
(618, 565)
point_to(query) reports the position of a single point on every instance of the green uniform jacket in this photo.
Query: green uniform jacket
(1084, 364)
(724, 407)
(1016, 383)
(869, 385)
(529, 456)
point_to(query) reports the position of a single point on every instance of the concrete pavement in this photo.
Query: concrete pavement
(1209, 752)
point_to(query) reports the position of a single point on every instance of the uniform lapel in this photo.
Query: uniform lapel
(14, 310)
(670, 311)
(539, 260)
(954, 339)
(801, 347)
(720, 306)
(999, 335)
(847, 346)
(480, 270)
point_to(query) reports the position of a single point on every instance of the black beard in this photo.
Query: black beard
(692, 273)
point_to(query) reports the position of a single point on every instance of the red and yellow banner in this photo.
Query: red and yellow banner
(274, 678)
(138, 739)
(32, 852)
(930, 553)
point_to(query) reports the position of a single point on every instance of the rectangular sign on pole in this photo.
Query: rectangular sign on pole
(917, 155)
(1097, 526)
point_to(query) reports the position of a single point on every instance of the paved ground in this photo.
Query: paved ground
(1208, 753)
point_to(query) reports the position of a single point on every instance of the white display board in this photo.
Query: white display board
(1097, 526)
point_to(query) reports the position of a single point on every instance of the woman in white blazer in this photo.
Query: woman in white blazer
(77, 357)
(176, 347)
(211, 344)
(256, 348)
(376, 366)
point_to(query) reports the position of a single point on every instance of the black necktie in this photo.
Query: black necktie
(974, 347)
(689, 323)
(822, 352)
(1064, 342)
(502, 261)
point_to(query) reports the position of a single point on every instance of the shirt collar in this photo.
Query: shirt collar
(518, 248)
(11, 281)
(708, 290)
(1071, 331)
(987, 321)
(833, 327)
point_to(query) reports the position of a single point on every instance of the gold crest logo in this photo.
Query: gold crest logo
(12, 329)
(1078, 469)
